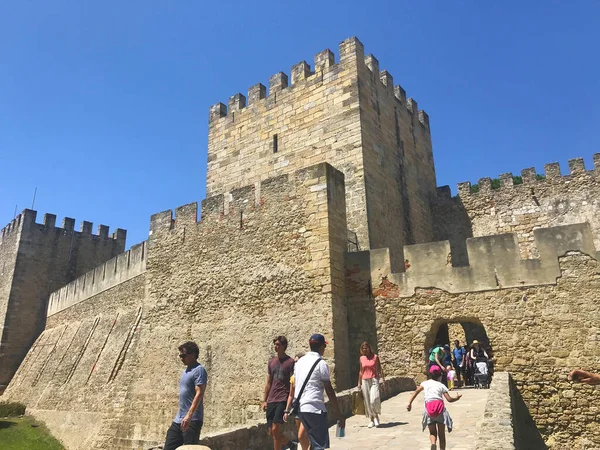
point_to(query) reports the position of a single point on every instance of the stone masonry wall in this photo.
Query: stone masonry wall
(496, 430)
(398, 162)
(232, 284)
(347, 114)
(76, 376)
(113, 272)
(520, 208)
(47, 258)
(9, 245)
(313, 119)
(538, 334)
(263, 261)
(362, 324)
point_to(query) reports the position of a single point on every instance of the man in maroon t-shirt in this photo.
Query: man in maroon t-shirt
(280, 369)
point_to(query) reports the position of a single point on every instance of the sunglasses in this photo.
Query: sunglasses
(182, 355)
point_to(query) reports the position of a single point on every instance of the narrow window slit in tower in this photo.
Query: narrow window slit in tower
(275, 145)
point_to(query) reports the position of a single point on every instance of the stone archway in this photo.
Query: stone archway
(446, 331)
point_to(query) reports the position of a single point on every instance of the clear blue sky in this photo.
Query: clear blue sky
(104, 105)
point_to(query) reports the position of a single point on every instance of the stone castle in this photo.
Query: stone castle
(322, 214)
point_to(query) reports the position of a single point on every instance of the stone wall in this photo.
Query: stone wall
(538, 202)
(348, 114)
(115, 271)
(263, 261)
(538, 333)
(496, 431)
(47, 257)
(314, 119)
(76, 376)
(9, 245)
(362, 323)
(398, 162)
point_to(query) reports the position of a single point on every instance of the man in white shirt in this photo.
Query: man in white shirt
(313, 412)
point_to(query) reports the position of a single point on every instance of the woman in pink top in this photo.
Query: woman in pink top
(368, 381)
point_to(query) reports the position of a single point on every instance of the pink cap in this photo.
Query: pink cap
(435, 370)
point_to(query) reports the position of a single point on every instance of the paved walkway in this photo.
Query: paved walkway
(402, 429)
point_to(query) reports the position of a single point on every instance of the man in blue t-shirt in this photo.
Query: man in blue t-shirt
(185, 429)
(459, 362)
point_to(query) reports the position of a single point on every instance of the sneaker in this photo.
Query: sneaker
(376, 422)
(371, 424)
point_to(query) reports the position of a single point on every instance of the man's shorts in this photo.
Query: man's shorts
(316, 426)
(459, 370)
(275, 412)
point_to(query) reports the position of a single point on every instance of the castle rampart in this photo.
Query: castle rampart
(494, 263)
(330, 154)
(36, 259)
(263, 257)
(537, 333)
(347, 113)
(117, 270)
(519, 205)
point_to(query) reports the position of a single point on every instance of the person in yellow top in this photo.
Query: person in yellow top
(302, 436)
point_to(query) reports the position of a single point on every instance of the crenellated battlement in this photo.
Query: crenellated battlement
(27, 220)
(494, 263)
(113, 272)
(11, 228)
(229, 206)
(324, 69)
(528, 178)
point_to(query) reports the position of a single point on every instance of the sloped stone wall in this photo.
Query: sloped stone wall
(263, 261)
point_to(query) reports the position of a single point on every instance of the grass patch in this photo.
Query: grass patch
(18, 434)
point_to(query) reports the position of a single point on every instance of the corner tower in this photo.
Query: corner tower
(348, 114)
(35, 260)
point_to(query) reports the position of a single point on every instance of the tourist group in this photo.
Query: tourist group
(295, 390)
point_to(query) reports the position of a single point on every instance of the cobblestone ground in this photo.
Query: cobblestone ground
(402, 429)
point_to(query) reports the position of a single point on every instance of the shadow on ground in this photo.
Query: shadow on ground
(6, 424)
(392, 424)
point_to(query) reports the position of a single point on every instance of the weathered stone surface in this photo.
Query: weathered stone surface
(538, 333)
(496, 430)
(345, 114)
(105, 372)
(270, 256)
(35, 260)
(520, 208)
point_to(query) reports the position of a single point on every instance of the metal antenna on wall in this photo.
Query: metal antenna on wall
(33, 201)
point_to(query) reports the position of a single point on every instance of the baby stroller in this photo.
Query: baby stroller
(481, 375)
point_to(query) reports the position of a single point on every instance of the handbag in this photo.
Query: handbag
(358, 403)
(295, 408)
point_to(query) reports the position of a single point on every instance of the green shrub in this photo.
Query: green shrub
(11, 409)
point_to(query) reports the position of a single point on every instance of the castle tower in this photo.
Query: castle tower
(348, 114)
(35, 260)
